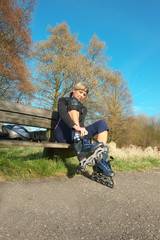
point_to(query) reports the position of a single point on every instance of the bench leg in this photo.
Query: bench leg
(58, 152)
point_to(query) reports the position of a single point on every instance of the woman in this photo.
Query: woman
(70, 127)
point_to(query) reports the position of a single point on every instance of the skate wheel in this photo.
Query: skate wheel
(103, 183)
(93, 177)
(78, 172)
(110, 184)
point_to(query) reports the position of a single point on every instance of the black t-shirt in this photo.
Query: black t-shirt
(66, 104)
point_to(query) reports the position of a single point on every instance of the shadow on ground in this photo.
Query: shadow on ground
(72, 169)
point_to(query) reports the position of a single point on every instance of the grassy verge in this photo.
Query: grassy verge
(138, 164)
(18, 163)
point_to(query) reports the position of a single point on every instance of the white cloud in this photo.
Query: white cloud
(137, 109)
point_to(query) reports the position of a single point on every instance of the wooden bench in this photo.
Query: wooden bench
(23, 115)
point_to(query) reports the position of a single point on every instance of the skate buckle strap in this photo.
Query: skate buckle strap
(110, 159)
(106, 150)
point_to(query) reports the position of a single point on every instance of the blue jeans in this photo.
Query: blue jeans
(64, 134)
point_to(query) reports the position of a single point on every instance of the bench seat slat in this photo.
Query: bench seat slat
(34, 144)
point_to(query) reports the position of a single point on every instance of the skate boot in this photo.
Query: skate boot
(87, 153)
(102, 172)
(105, 167)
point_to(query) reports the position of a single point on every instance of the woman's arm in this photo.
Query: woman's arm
(71, 118)
(74, 115)
(63, 113)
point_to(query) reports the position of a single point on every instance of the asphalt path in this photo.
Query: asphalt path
(79, 208)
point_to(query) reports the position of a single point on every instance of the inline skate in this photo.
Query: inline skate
(102, 172)
(87, 153)
(96, 155)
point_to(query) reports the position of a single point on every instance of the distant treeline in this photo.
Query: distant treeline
(141, 130)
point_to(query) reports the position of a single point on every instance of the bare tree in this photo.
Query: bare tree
(59, 64)
(15, 44)
(116, 105)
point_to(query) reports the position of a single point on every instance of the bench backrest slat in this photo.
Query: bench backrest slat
(27, 120)
(29, 110)
(27, 115)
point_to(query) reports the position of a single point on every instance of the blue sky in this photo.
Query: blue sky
(131, 30)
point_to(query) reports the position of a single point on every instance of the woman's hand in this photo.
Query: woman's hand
(81, 130)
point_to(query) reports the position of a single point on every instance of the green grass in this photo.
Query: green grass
(138, 164)
(19, 163)
(26, 163)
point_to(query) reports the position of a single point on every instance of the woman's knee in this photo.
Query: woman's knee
(102, 126)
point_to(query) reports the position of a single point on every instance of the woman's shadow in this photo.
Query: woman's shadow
(72, 168)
